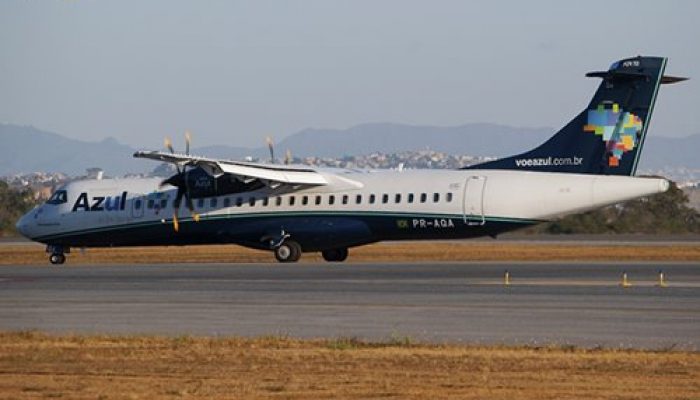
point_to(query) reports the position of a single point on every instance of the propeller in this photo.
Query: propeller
(179, 181)
(288, 157)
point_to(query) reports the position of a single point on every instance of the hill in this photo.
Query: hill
(27, 149)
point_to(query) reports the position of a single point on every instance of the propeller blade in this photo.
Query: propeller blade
(188, 139)
(176, 209)
(190, 206)
(169, 145)
(271, 147)
(188, 199)
(288, 157)
(180, 182)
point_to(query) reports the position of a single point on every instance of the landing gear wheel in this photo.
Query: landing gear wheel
(337, 255)
(57, 259)
(289, 251)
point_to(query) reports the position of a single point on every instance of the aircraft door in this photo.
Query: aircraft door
(138, 203)
(473, 205)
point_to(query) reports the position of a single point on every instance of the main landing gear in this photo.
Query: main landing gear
(287, 252)
(56, 254)
(290, 251)
(335, 255)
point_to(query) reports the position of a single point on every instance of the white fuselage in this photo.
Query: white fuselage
(418, 198)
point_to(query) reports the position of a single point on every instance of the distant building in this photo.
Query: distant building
(95, 173)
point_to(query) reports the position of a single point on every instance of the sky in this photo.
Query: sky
(234, 72)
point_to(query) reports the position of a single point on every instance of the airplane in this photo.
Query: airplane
(294, 209)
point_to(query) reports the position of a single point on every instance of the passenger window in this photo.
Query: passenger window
(358, 199)
(449, 197)
(291, 200)
(304, 200)
(318, 200)
(278, 201)
(423, 197)
(345, 199)
(251, 201)
(213, 202)
(266, 201)
(239, 201)
(397, 199)
(385, 198)
(436, 197)
(371, 199)
(200, 203)
(410, 197)
(149, 204)
(137, 204)
(331, 200)
(163, 203)
(227, 202)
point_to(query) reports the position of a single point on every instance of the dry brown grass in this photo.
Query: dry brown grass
(34, 365)
(406, 251)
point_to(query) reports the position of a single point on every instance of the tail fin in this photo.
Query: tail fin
(608, 136)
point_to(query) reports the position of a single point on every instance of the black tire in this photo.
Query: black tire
(287, 252)
(57, 259)
(335, 255)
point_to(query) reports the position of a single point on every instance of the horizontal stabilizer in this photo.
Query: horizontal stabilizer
(666, 79)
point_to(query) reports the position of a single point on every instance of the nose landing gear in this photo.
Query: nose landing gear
(56, 254)
(57, 259)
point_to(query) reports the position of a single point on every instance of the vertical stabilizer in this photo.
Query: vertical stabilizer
(607, 137)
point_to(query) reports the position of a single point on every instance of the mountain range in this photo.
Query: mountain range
(28, 149)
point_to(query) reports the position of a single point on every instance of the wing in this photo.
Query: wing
(270, 173)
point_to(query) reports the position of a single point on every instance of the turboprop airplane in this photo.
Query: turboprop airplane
(291, 209)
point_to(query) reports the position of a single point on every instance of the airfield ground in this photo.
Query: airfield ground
(18, 254)
(137, 366)
(34, 365)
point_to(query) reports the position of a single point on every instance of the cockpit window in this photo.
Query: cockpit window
(58, 197)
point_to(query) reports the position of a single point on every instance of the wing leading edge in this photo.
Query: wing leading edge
(285, 174)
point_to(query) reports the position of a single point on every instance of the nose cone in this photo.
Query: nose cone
(22, 225)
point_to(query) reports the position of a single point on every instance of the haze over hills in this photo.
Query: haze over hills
(27, 149)
(472, 139)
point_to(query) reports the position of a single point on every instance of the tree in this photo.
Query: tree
(13, 204)
(663, 213)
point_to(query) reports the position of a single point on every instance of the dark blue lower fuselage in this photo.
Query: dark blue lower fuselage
(313, 231)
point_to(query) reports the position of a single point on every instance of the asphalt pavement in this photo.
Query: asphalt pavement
(546, 303)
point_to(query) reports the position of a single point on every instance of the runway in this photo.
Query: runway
(546, 303)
